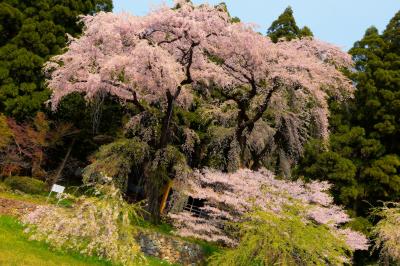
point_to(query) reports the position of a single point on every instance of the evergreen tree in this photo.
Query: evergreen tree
(364, 157)
(30, 32)
(305, 32)
(285, 27)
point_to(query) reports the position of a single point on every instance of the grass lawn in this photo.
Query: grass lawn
(17, 250)
(37, 199)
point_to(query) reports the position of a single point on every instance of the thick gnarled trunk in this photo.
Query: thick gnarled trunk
(156, 184)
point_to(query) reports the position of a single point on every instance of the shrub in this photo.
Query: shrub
(99, 225)
(3, 187)
(387, 233)
(116, 160)
(270, 239)
(26, 184)
(229, 196)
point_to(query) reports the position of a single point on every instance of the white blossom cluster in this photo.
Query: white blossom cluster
(94, 226)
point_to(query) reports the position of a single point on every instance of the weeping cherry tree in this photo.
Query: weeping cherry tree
(276, 93)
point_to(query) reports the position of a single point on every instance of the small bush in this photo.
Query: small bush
(387, 233)
(285, 239)
(3, 187)
(26, 184)
(101, 226)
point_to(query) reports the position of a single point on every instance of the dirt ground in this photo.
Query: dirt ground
(15, 208)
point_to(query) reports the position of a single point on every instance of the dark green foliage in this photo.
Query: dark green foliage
(117, 160)
(285, 27)
(11, 20)
(306, 32)
(363, 161)
(166, 164)
(26, 184)
(30, 32)
(5, 132)
(392, 35)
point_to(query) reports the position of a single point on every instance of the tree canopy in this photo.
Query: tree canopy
(175, 64)
(32, 31)
(285, 27)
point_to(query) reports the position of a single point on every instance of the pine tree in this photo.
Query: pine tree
(392, 33)
(285, 27)
(30, 32)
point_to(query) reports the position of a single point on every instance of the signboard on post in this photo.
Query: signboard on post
(57, 189)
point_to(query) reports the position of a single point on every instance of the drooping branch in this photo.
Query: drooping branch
(136, 102)
(64, 161)
(244, 122)
(189, 79)
(262, 108)
(257, 157)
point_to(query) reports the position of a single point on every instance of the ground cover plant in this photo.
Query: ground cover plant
(101, 225)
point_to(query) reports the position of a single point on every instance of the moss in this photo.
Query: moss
(26, 184)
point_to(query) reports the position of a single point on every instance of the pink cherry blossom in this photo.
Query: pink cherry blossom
(228, 196)
(163, 56)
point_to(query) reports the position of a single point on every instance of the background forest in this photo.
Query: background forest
(144, 115)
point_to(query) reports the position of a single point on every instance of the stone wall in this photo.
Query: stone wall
(170, 248)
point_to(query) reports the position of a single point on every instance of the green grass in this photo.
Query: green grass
(157, 262)
(17, 250)
(208, 248)
(25, 252)
(7, 193)
(38, 199)
(162, 228)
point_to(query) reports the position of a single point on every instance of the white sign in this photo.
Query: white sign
(57, 188)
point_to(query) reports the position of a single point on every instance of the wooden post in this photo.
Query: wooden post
(165, 196)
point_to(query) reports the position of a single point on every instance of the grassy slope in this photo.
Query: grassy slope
(11, 235)
(5, 193)
(17, 250)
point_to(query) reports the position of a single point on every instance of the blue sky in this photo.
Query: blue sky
(341, 22)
